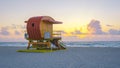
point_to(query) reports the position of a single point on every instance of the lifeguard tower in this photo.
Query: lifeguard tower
(40, 33)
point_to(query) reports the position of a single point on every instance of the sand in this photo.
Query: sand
(74, 57)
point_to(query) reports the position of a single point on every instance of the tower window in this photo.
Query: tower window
(32, 24)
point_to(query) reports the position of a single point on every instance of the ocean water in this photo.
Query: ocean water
(72, 44)
(94, 44)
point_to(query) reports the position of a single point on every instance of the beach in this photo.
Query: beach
(72, 57)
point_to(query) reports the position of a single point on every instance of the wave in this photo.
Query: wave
(94, 44)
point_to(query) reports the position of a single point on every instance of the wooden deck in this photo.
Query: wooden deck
(38, 44)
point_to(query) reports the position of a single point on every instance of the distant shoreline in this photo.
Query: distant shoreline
(63, 41)
(115, 44)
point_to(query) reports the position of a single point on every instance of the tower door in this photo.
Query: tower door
(47, 35)
(48, 30)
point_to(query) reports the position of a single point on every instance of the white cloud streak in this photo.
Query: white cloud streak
(4, 31)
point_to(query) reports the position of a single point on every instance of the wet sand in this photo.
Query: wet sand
(73, 57)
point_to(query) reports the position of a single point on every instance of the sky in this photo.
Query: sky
(83, 20)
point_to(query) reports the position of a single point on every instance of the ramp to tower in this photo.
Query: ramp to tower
(62, 45)
(59, 44)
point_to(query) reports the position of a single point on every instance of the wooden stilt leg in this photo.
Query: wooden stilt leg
(28, 45)
(48, 44)
(58, 44)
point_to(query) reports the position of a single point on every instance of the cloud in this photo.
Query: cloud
(114, 32)
(14, 26)
(10, 30)
(4, 31)
(94, 27)
(63, 32)
(17, 32)
(109, 25)
(76, 32)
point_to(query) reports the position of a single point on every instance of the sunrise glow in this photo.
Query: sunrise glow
(82, 20)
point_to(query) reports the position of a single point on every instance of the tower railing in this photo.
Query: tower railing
(57, 34)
